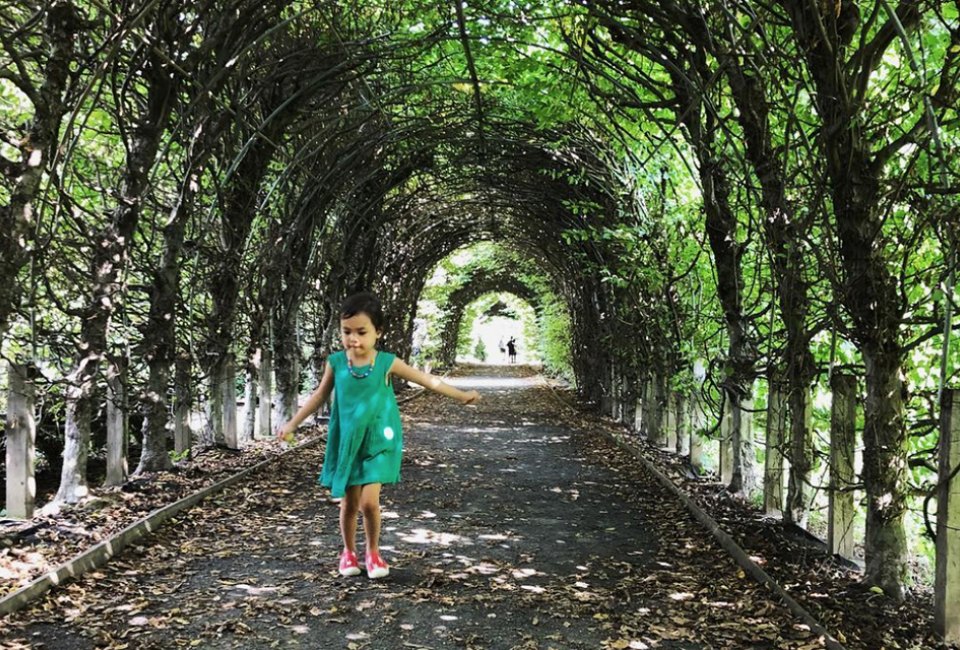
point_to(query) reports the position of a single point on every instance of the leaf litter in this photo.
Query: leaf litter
(576, 547)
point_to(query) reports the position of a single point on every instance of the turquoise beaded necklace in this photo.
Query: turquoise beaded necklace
(361, 375)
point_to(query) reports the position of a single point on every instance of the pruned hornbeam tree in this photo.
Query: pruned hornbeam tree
(36, 58)
(740, 53)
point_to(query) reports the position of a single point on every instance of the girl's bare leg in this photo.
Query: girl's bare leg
(369, 499)
(349, 507)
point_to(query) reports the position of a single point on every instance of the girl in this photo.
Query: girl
(365, 440)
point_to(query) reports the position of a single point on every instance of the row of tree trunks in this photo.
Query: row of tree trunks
(111, 246)
(240, 209)
(682, 419)
(159, 338)
(783, 231)
(870, 290)
(690, 77)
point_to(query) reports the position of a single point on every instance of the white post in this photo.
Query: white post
(946, 591)
(606, 395)
(683, 424)
(726, 442)
(670, 420)
(249, 409)
(21, 438)
(646, 415)
(655, 433)
(117, 439)
(614, 393)
(181, 403)
(266, 392)
(773, 460)
(638, 415)
(698, 421)
(841, 508)
(230, 404)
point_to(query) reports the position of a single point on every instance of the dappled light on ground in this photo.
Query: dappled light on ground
(426, 536)
(491, 383)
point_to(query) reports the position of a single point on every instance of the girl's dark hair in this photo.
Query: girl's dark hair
(363, 303)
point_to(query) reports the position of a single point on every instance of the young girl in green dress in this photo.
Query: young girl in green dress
(365, 438)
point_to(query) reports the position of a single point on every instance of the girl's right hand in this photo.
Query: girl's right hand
(285, 434)
(472, 397)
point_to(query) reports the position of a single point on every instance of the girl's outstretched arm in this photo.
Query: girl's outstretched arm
(316, 399)
(425, 379)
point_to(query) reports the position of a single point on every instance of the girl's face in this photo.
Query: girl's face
(358, 334)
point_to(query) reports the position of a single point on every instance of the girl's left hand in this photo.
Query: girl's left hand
(472, 397)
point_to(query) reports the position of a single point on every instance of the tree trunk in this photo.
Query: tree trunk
(73, 475)
(871, 289)
(183, 402)
(213, 432)
(884, 473)
(154, 456)
(266, 391)
(721, 229)
(250, 394)
(784, 232)
(744, 479)
(775, 436)
(287, 370)
(159, 336)
(800, 409)
(240, 202)
(230, 437)
(117, 435)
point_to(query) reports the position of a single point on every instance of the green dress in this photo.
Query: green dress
(365, 438)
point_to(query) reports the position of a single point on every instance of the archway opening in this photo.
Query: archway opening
(495, 324)
(481, 296)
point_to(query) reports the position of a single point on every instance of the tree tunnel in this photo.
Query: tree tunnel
(476, 283)
(189, 190)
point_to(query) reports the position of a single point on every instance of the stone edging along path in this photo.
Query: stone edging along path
(98, 555)
(726, 542)
(101, 553)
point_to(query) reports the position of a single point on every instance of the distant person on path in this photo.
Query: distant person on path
(512, 349)
(365, 439)
(503, 348)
